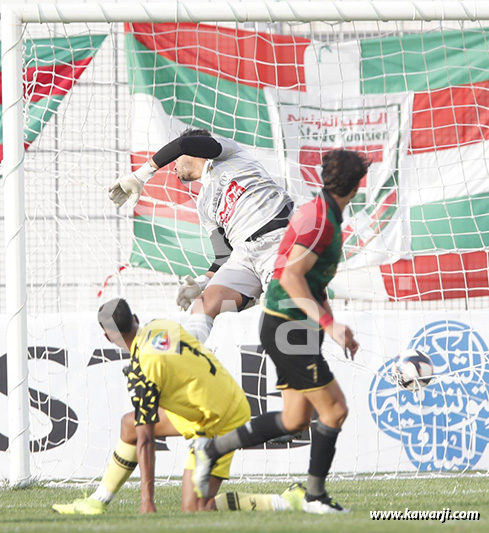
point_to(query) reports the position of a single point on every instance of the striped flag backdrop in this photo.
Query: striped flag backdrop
(52, 67)
(416, 104)
(443, 179)
(203, 76)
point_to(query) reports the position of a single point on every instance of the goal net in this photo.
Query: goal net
(99, 98)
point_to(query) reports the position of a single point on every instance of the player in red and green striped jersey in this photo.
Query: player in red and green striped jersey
(296, 316)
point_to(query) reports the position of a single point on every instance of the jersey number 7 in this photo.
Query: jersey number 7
(184, 346)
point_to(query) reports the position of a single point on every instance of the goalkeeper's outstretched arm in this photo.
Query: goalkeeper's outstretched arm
(130, 186)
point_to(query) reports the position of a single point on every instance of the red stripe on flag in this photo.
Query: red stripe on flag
(385, 204)
(439, 277)
(310, 158)
(451, 117)
(51, 80)
(165, 187)
(251, 58)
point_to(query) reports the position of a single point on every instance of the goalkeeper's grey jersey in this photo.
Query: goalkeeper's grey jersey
(238, 194)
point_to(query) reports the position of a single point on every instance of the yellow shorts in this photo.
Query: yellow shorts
(221, 469)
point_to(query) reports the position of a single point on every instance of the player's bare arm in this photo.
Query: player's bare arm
(345, 332)
(146, 461)
(293, 280)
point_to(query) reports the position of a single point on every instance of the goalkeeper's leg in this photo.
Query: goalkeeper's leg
(232, 288)
(214, 300)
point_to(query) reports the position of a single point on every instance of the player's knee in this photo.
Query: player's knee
(340, 412)
(294, 425)
(215, 300)
(303, 426)
(206, 304)
(128, 432)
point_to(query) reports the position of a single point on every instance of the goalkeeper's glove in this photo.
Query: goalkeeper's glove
(129, 187)
(190, 289)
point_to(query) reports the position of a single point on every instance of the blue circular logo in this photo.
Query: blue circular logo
(444, 426)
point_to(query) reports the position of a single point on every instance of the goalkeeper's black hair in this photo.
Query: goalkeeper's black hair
(342, 171)
(116, 312)
(194, 132)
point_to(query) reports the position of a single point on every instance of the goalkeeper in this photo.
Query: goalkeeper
(242, 209)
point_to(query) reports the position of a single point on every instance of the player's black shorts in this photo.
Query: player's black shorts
(296, 352)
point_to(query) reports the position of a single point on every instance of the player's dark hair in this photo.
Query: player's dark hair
(193, 132)
(116, 312)
(342, 170)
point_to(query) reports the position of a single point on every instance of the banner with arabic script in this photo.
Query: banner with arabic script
(377, 126)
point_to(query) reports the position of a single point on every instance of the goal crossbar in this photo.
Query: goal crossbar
(283, 11)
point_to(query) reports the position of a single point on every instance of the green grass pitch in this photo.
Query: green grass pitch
(30, 509)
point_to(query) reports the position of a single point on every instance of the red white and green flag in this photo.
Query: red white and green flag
(443, 191)
(52, 67)
(204, 76)
(419, 227)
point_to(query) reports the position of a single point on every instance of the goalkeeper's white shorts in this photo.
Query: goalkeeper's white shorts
(250, 266)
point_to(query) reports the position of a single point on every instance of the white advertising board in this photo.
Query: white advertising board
(78, 395)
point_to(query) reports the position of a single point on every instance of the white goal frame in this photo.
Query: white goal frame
(13, 18)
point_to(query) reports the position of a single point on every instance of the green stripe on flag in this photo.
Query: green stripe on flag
(44, 52)
(51, 68)
(38, 115)
(425, 61)
(167, 245)
(458, 223)
(202, 100)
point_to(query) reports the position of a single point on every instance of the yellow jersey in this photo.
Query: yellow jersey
(170, 368)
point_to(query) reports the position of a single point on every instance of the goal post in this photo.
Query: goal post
(15, 250)
(411, 250)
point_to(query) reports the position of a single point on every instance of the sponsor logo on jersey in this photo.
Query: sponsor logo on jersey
(162, 341)
(231, 196)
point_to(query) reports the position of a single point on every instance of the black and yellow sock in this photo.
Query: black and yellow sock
(121, 466)
(240, 501)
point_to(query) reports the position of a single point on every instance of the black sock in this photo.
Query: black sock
(257, 431)
(322, 454)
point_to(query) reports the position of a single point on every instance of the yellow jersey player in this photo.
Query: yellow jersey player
(177, 387)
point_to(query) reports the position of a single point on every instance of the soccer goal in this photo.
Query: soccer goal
(91, 91)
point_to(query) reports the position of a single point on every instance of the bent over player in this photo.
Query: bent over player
(242, 209)
(177, 387)
(170, 368)
(296, 315)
